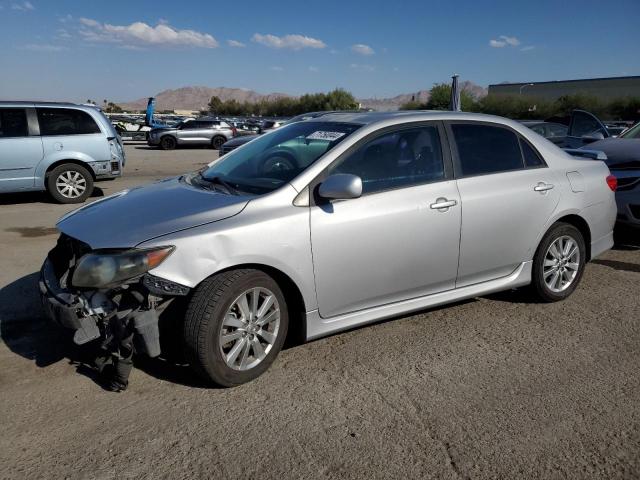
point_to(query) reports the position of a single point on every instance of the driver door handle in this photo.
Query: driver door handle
(543, 187)
(442, 203)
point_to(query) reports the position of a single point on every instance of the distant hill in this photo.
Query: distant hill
(197, 98)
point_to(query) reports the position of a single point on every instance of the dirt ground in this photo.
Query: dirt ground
(494, 387)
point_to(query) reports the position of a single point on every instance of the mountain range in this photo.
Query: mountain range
(197, 98)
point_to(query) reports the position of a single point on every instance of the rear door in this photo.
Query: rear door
(393, 243)
(508, 194)
(196, 132)
(74, 131)
(20, 148)
(584, 128)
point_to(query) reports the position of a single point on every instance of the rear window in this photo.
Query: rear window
(531, 157)
(65, 121)
(13, 122)
(484, 149)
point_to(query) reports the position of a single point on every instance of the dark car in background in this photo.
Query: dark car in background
(554, 132)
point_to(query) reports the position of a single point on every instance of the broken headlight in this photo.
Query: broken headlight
(101, 270)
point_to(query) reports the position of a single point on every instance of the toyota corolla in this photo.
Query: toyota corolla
(325, 225)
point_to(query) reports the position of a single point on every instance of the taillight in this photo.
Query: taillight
(612, 182)
(234, 131)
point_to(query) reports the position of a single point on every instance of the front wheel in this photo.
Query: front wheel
(168, 143)
(235, 326)
(559, 263)
(217, 142)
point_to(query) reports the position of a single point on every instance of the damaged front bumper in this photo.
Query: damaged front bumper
(89, 312)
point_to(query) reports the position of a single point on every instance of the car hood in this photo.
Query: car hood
(619, 151)
(131, 217)
(237, 141)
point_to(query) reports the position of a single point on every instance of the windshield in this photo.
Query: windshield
(633, 132)
(269, 161)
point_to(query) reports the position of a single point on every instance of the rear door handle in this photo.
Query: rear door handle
(543, 187)
(442, 203)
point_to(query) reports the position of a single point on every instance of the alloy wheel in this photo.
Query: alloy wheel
(561, 263)
(249, 329)
(71, 184)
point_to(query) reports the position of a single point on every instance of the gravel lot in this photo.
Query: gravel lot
(495, 387)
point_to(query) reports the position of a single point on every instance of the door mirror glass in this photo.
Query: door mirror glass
(341, 186)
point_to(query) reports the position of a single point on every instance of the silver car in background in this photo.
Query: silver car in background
(374, 215)
(62, 148)
(201, 131)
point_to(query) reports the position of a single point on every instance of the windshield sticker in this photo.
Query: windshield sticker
(328, 136)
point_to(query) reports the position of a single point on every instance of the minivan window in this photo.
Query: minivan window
(264, 164)
(484, 149)
(65, 121)
(401, 158)
(13, 122)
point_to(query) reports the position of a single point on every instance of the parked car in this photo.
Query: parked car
(239, 141)
(62, 148)
(201, 131)
(376, 215)
(623, 159)
(554, 132)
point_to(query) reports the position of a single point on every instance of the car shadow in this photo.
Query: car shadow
(28, 333)
(38, 197)
(617, 265)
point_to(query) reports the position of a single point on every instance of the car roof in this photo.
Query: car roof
(24, 103)
(369, 118)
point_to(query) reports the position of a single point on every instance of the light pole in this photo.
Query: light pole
(525, 85)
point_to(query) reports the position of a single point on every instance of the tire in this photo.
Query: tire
(557, 269)
(69, 183)
(216, 142)
(214, 310)
(168, 143)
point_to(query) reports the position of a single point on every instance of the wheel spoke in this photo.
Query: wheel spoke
(554, 251)
(235, 350)
(269, 318)
(549, 263)
(268, 336)
(573, 266)
(255, 298)
(243, 305)
(258, 350)
(224, 339)
(548, 272)
(572, 251)
(266, 305)
(245, 354)
(231, 321)
(554, 279)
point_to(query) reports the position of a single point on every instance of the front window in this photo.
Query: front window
(266, 163)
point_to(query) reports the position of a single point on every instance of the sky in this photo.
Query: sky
(124, 50)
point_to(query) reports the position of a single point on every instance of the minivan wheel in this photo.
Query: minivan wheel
(70, 183)
(559, 263)
(235, 325)
(168, 143)
(216, 142)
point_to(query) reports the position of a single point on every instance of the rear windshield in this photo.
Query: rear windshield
(269, 161)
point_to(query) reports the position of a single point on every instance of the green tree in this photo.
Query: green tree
(113, 108)
(215, 104)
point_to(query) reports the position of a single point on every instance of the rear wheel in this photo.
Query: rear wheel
(235, 326)
(69, 183)
(559, 263)
(168, 143)
(216, 142)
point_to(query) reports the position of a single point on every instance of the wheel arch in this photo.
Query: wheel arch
(293, 295)
(582, 226)
(73, 161)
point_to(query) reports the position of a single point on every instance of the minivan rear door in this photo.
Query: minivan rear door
(20, 148)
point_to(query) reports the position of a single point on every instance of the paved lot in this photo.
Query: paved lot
(495, 387)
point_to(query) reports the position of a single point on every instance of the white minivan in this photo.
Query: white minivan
(62, 148)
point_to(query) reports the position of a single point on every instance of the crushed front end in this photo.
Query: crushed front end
(108, 295)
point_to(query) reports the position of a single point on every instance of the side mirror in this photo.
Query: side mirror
(592, 137)
(341, 186)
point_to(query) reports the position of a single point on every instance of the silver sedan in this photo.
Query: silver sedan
(329, 224)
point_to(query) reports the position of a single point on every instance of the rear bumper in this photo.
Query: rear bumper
(107, 169)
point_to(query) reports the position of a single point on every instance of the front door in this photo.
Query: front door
(19, 152)
(394, 242)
